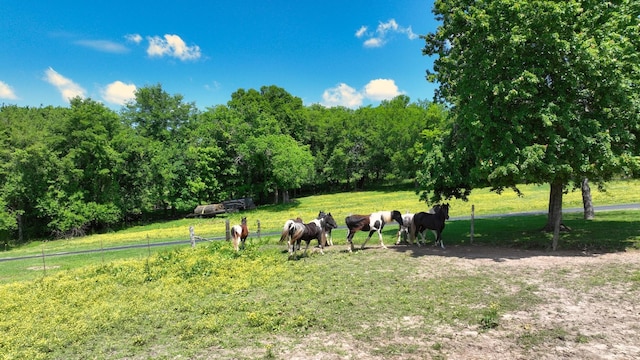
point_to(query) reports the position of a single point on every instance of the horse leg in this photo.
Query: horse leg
(423, 238)
(367, 239)
(435, 234)
(440, 239)
(380, 237)
(350, 239)
(292, 246)
(329, 238)
(322, 241)
(306, 248)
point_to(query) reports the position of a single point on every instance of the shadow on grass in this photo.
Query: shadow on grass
(503, 238)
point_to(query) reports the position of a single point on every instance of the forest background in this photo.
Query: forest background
(86, 168)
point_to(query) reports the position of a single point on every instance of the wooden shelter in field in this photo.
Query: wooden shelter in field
(211, 210)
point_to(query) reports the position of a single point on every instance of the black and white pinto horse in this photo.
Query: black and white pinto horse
(423, 221)
(307, 232)
(372, 223)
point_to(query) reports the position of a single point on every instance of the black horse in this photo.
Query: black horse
(327, 228)
(307, 232)
(435, 222)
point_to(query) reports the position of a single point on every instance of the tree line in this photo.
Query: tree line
(66, 171)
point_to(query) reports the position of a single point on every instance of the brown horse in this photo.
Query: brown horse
(239, 234)
(299, 232)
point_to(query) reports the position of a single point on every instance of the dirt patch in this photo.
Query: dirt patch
(576, 320)
(583, 316)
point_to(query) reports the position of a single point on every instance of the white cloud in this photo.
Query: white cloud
(373, 42)
(342, 95)
(384, 30)
(103, 45)
(172, 45)
(67, 88)
(345, 95)
(6, 92)
(118, 92)
(381, 89)
(361, 32)
(134, 38)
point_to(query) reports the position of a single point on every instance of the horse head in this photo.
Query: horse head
(397, 216)
(444, 209)
(328, 219)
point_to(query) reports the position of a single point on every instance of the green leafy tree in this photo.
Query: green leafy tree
(540, 92)
(277, 164)
(28, 165)
(84, 193)
(271, 110)
(162, 121)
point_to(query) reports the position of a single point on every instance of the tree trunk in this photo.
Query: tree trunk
(587, 201)
(276, 196)
(20, 227)
(554, 219)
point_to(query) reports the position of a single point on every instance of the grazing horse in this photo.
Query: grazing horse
(327, 228)
(435, 222)
(371, 223)
(308, 232)
(239, 234)
(403, 232)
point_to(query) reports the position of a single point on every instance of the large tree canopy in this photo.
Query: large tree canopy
(540, 92)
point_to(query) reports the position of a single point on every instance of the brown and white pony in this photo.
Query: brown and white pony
(239, 234)
(285, 229)
(372, 223)
(307, 232)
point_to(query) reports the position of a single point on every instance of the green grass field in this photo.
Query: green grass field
(209, 302)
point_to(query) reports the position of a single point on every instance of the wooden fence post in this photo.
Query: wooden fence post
(192, 236)
(258, 231)
(473, 210)
(227, 234)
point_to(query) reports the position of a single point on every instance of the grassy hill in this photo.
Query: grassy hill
(210, 302)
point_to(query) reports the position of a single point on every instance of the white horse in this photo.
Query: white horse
(403, 232)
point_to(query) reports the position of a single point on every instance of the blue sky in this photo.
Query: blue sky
(347, 53)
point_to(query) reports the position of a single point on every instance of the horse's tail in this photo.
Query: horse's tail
(285, 230)
(295, 231)
(235, 231)
(412, 230)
